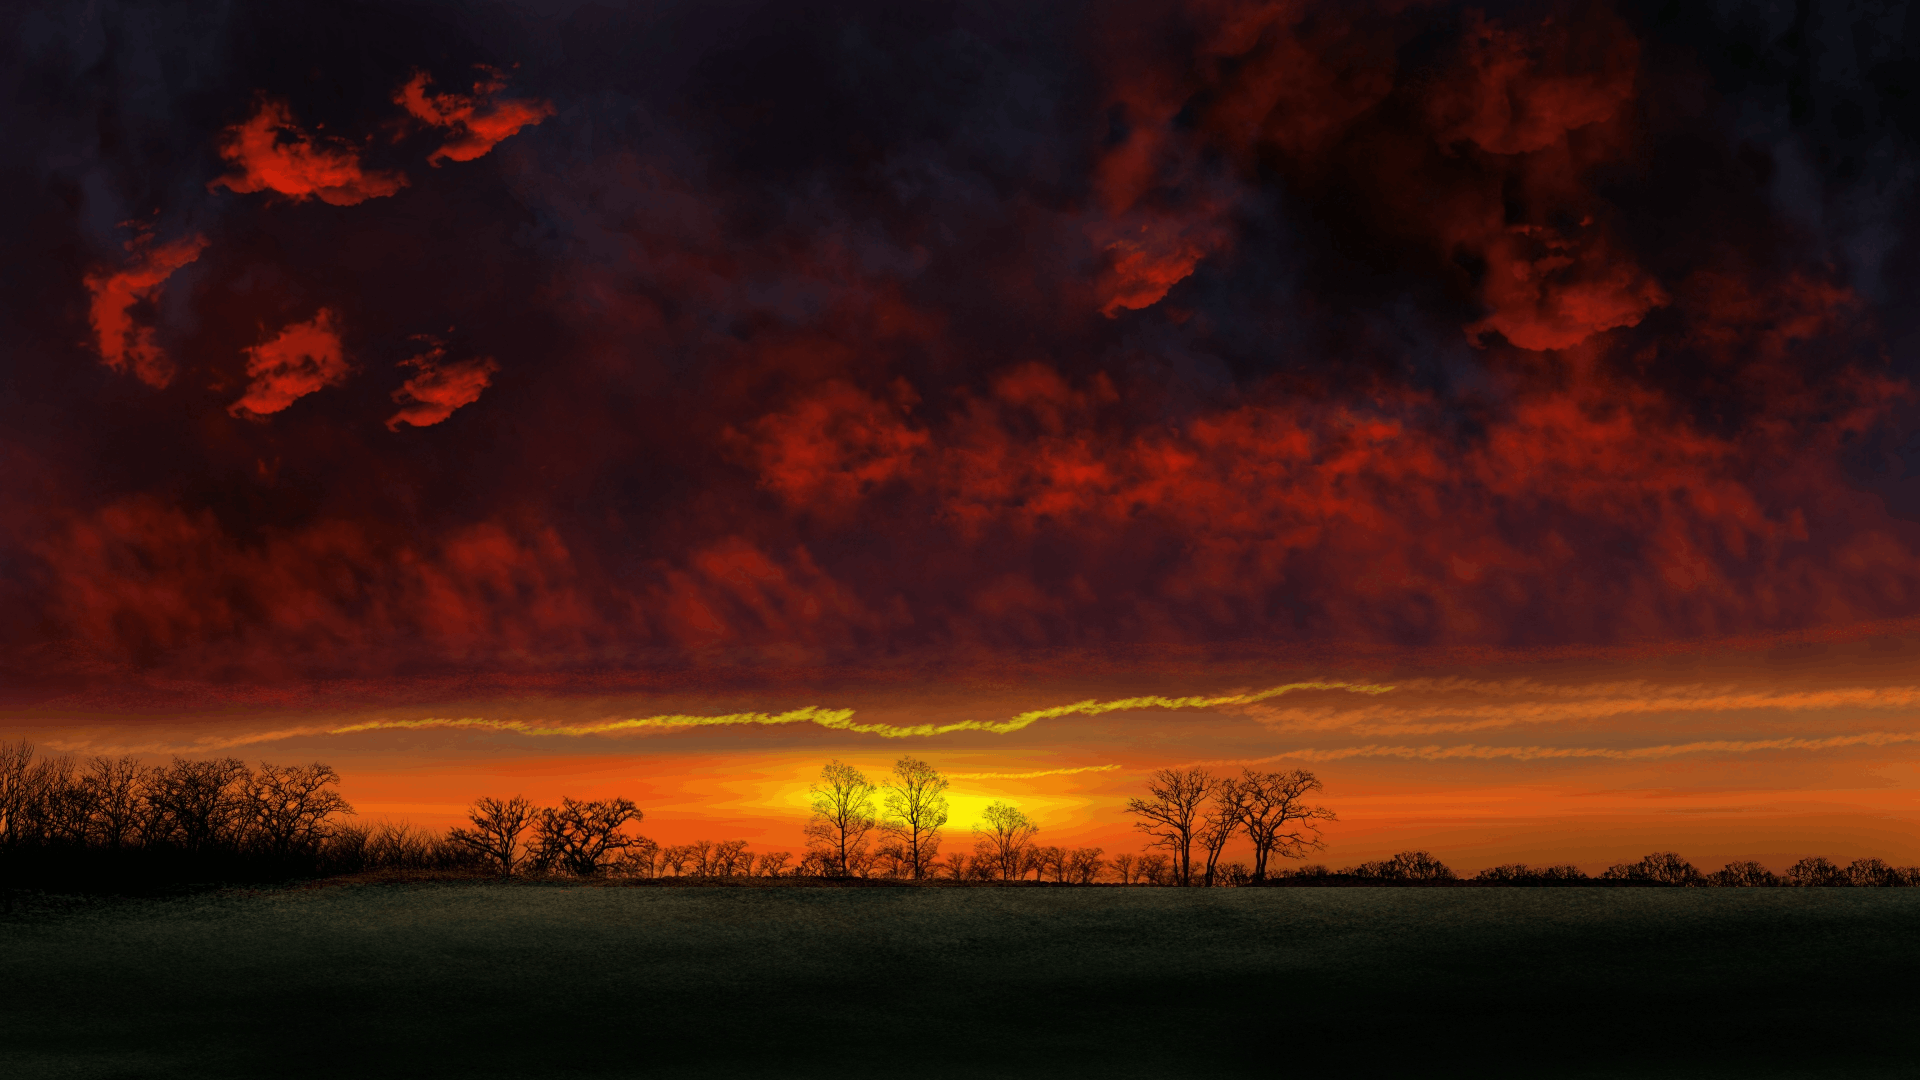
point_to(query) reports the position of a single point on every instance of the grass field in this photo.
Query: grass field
(489, 981)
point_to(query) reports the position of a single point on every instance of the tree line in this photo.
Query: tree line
(116, 822)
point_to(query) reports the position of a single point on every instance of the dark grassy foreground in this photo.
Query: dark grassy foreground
(483, 981)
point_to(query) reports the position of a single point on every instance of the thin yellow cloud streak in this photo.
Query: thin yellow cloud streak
(1590, 703)
(1471, 751)
(842, 719)
(1028, 775)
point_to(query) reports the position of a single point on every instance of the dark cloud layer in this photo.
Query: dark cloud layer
(812, 335)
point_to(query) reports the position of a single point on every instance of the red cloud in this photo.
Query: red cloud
(143, 579)
(480, 121)
(431, 396)
(122, 344)
(273, 154)
(1501, 136)
(834, 446)
(303, 358)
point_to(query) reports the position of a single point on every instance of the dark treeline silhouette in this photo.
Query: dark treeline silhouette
(118, 824)
(1661, 868)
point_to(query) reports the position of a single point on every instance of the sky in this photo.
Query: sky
(1506, 411)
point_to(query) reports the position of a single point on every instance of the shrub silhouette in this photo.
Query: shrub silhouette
(1406, 866)
(1743, 875)
(1659, 868)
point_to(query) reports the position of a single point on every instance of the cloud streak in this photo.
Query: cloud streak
(1473, 752)
(1567, 705)
(842, 719)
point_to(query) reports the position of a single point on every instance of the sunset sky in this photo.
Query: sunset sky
(1506, 411)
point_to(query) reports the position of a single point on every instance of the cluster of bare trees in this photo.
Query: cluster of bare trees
(1658, 868)
(1188, 807)
(582, 838)
(61, 818)
(846, 821)
(1668, 868)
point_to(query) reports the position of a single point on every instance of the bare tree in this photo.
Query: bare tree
(731, 857)
(1004, 838)
(1276, 817)
(117, 799)
(674, 857)
(1123, 866)
(842, 817)
(915, 809)
(700, 857)
(1172, 815)
(58, 809)
(1816, 871)
(1219, 822)
(640, 858)
(1743, 875)
(1406, 866)
(497, 825)
(197, 803)
(15, 760)
(1873, 873)
(582, 836)
(287, 806)
(1048, 862)
(1155, 869)
(956, 866)
(774, 863)
(891, 860)
(1661, 867)
(1084, 865)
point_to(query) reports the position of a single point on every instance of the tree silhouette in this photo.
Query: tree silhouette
(1276, 817)
(116, 790)
(1084, 865)
(955, 866)
(196, 803)
(1661, 867)
(1123, 867)
(497, 826)
(1743, 875)
(1003, 839)
(1172, 814)
(1815, 871)
(842, 817)
(1406, 866)
(1219, 822)
(287, 806)
(916, 808)
(582, 836)
(730, 857)
(1155, 869)
(1871, 873)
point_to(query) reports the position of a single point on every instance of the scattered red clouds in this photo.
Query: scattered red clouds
(835, 445)
(122, 344)
(1511, 123)
(440, 388)
(479, 121)
(301, 359)
(777, 427)
(272, 153)
(148, 583)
